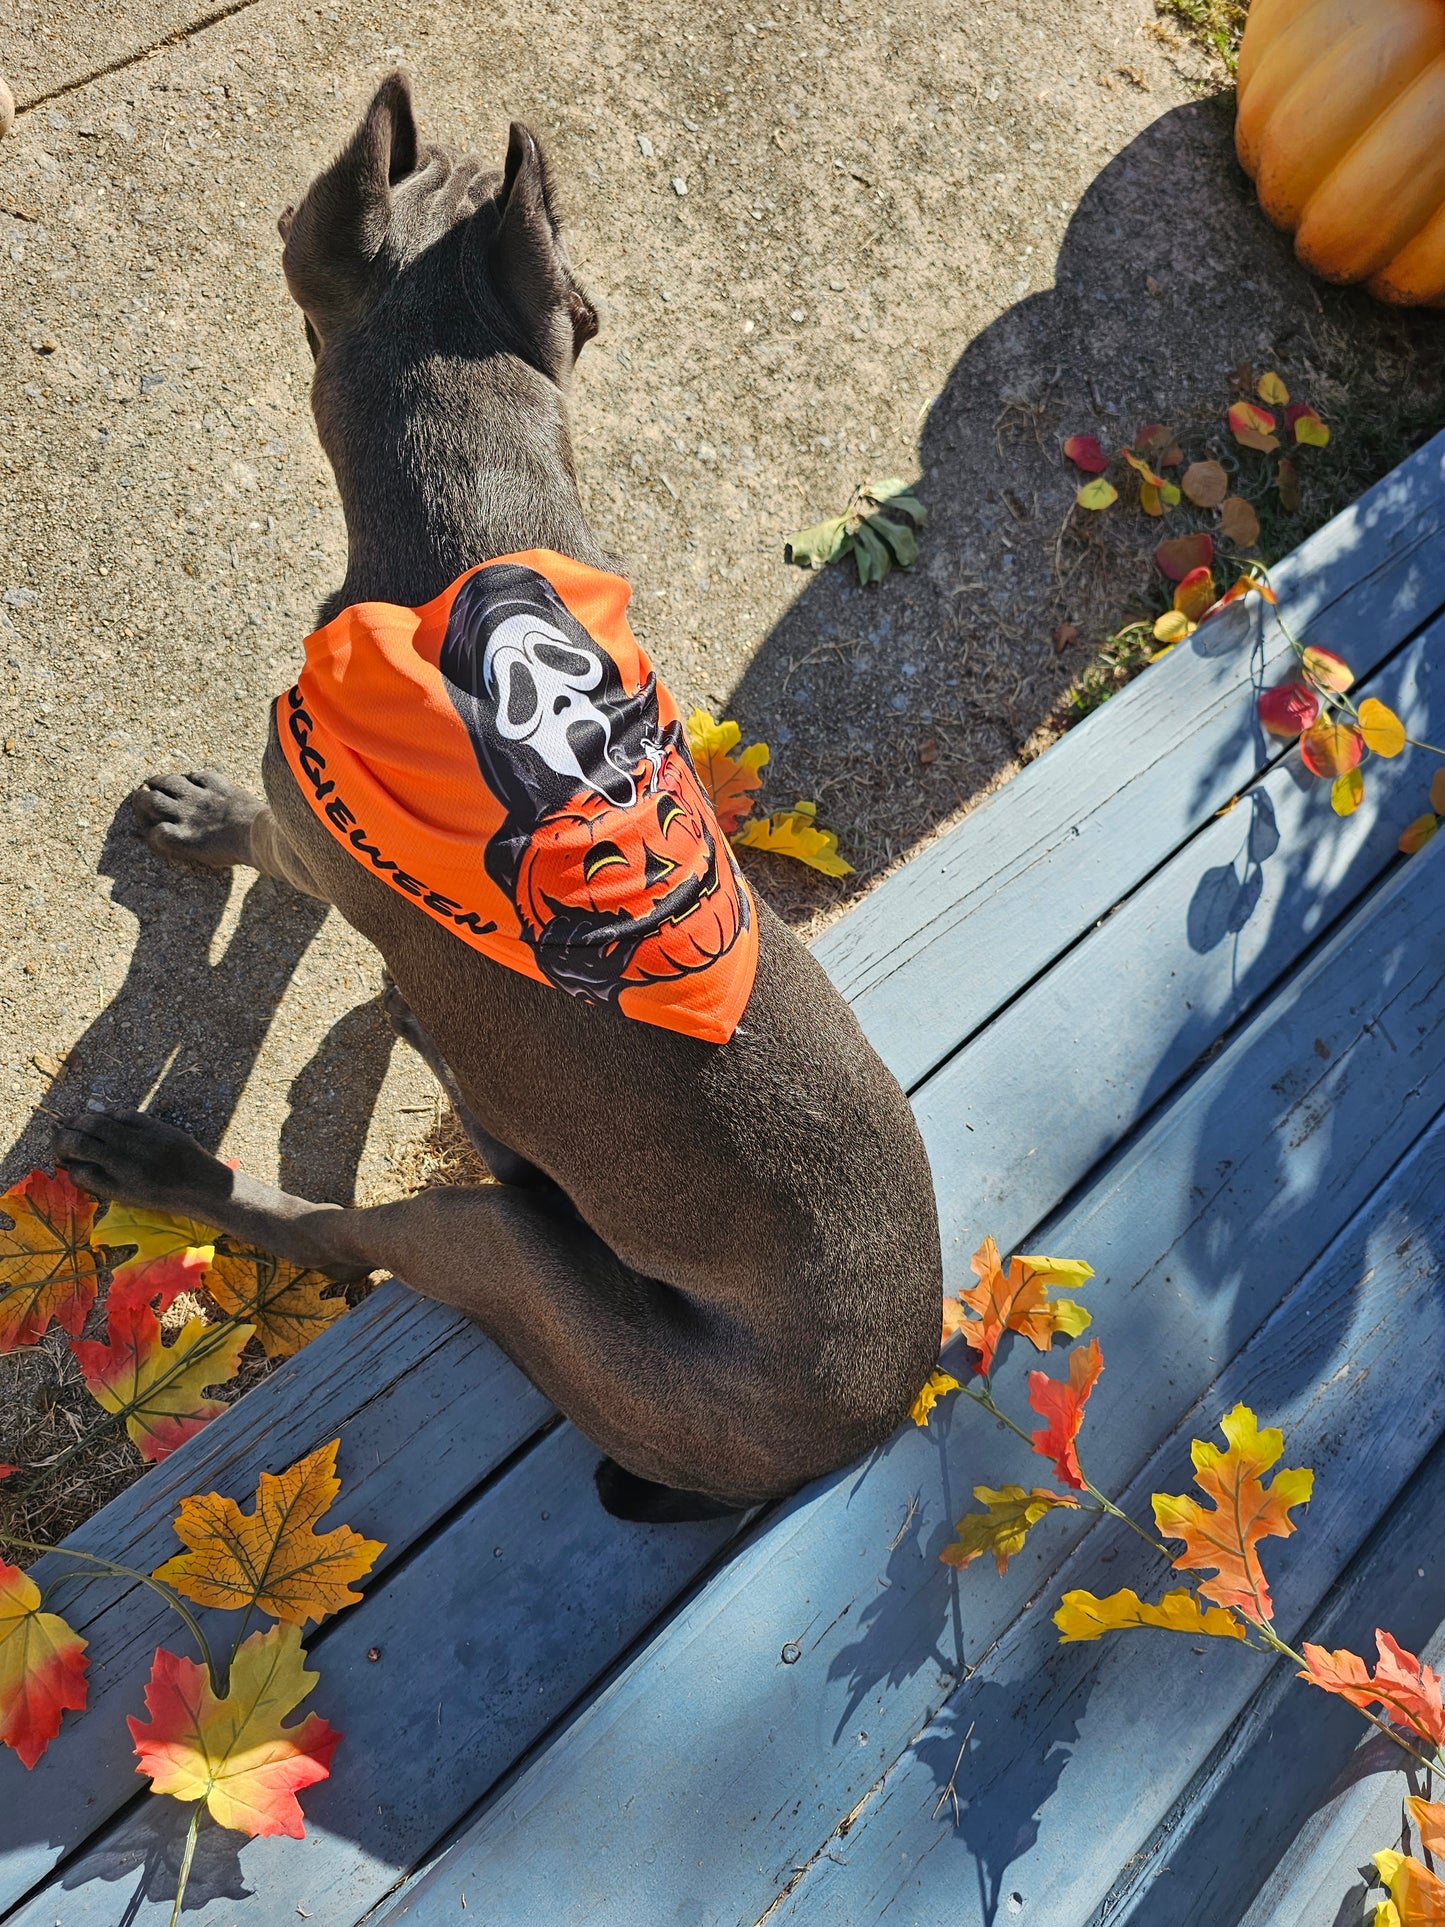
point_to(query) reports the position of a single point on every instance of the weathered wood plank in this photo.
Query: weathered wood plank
(1078, 1752)
(425, 1407)
(1197, 1229)
(1126, 1013)
(931, 954)
(1274, 1793)
(485, 1636)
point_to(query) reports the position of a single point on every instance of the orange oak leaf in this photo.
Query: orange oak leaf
(1225, 1539)
(158, 1388)
(731, 776)
(1429, 1818)
(233, 1752)
(1003, 1525)
(157, 1281)
(1015, 1300)
(1062, 1403)
(42, 1667)
(1417, 1896)
(1405, 1688)
(283, 1301)
(47, 1268)
(272, 1557)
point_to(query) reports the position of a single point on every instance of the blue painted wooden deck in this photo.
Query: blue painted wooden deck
(1201, 1047)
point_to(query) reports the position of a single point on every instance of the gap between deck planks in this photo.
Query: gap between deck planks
(1393, 590)
(1197, 1229)
(1053, 851)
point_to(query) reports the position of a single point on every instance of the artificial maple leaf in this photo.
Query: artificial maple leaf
(1328, 748)
(1082, 1616)
(1062, 1403)
(159, 1387)
(157, 1281)
(47, 1268)
(272, 1557)
(795, 833)
(1417, 1897)
(731, 776)
(233, 1752)
(1381, 728)
(1015, 1301)
(157, 1234)
(1225, 1540)
(1406, 1688)
(283, 1301)
(1429, 1818)
(42, 1667)
(1002, 1528)
(938, 1384)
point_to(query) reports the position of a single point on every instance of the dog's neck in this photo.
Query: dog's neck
(481, 468)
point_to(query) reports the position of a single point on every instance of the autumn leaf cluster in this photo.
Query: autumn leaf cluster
(732, 777)
(878, 529)
(1214, 1536)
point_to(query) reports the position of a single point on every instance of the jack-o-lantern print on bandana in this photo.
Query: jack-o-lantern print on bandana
(506, 757)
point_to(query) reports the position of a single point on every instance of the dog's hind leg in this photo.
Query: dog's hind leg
(641, 1368)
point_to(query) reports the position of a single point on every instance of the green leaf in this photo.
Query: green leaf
(899, 537)
(824, 543)
(897, 495)
(872, 557)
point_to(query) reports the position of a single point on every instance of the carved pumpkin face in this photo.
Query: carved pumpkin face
(648, 878)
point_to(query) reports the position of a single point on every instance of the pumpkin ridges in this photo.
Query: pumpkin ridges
(1267, 20)
(1416, 276)
(1335, 101)
(1384, 191)
(1288, 52)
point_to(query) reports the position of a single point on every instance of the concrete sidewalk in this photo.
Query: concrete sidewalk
(804, 230)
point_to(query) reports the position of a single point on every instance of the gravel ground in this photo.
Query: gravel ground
(828, 246)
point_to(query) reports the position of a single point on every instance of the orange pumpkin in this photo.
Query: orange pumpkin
(652, 869)
(1342, 128)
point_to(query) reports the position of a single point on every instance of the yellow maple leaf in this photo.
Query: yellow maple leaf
(1083, 1616)
(283, 1301)
(272, 1557)
(159, 1387)
(795, 833)
(1014, 1300)
(233, 1752)
(1002, 1528)
(731, 780)
(156, 1234)
(933, 1391)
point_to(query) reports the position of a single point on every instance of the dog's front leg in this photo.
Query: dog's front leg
(203, 817)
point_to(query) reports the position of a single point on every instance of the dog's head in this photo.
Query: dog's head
(462, 259)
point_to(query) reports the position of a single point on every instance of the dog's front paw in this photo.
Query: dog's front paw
(198, 818)
(136, 1159)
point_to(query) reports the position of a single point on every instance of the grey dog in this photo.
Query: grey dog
(720, 1261)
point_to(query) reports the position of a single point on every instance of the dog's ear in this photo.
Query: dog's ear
(529, 262)
(333, 238)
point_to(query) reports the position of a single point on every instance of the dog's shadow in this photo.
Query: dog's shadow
(183, 1033)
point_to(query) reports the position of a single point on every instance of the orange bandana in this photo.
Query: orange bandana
(505, 757)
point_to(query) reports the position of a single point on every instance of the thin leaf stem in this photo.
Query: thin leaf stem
(117, 1571)
(186, 1859)
(1272, 1639)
